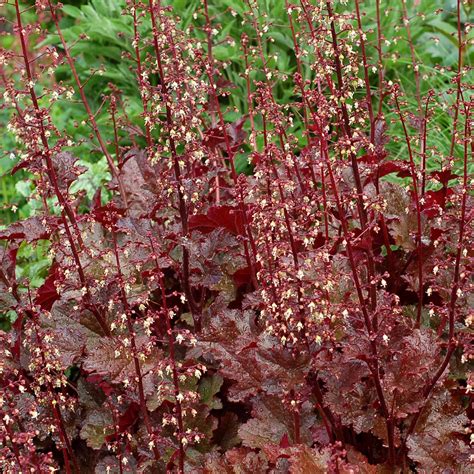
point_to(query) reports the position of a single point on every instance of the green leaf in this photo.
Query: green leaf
(242, 164)
(223, 52)
(71, 11)
(208, 389)
(97, 426)
(23, 188)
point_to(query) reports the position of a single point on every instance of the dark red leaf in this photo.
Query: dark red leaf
(108, 215)
(369, 158)
(285, 442)
(227, 217)
(225, 83)
(386, 168)
(64, 164)
(96, 200)
(243, 276)
(380, 137)
(47, 293)
(435, 200)
(315, 128)
(215, 137)
(256, 158)
(8, 261)
(31, 230)
(126, 420)
(444, 176)
(129, 417)
(99, 381)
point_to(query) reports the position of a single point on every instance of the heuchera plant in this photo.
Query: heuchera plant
(310, 316)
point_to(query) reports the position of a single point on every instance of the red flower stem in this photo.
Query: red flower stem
(406, 23)
(141, 83)
(325, 204)
(418, 214)
(230, 153)
(214, 102)
(458, 80)
(418, 95)
(250, 111)
(380, 58)
(297, 427)
(66, 208)
(230, 156)
(298, 66)
(169, 331)
(11, 435)
(195, 309)
(423, 146)
(113, 111)
(368, 94)
(355, 168)
(280, 130)
(133, 344)
(64, 439)
(47, 153)
(268, 88)
(374, 368)
(179, 411)
(325, 422)
(93, 123)
(335, 430)
(314, 37)
(300, 83)
(117, 435)
(67, 451)
(455, 286)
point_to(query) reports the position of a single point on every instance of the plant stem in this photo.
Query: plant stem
(93, 123)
